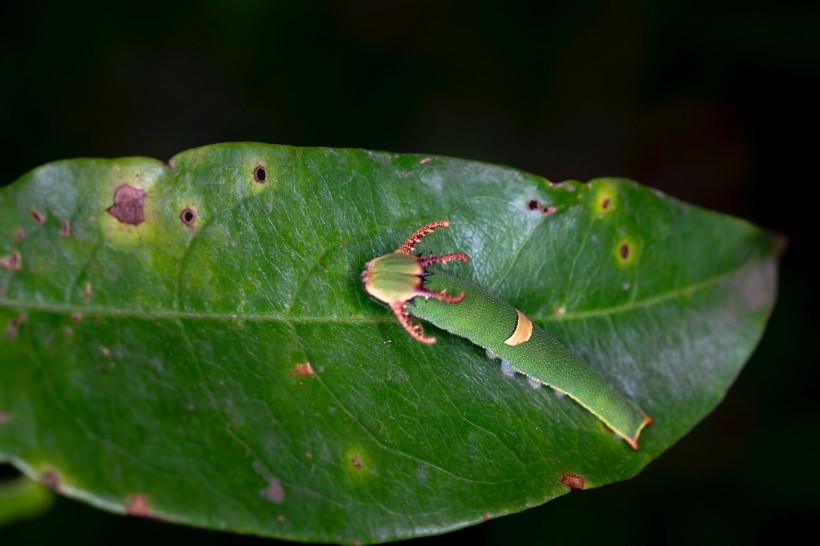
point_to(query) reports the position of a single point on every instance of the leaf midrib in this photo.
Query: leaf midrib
(370, 319)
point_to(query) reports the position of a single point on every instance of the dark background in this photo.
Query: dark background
(712, 102)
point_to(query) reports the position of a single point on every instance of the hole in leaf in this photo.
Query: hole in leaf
(260, 174)
(546, 210)
(188, 217)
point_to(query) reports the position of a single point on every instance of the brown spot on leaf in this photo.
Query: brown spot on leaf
(76, 317)
(356, 462)
(425, 161)
(105, 351)
(65, 227)
(188, 217)
(38, 216)
(67, 331)
(534, 204)
(624, 251)
(486, 517)
(14, 325)
(137, 505)
(12, 262)
(605, 203)
(19, 235)
(280, 518)
(573, 481)
(4, 417)
(301, 369)
(87, 291)
(129, 205)
(260, 174)
(51, 479)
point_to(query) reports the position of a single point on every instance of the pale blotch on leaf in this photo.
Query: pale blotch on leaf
(273, 491)
(754, 287)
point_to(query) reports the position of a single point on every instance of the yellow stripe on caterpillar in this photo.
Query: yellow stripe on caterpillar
(523, 330)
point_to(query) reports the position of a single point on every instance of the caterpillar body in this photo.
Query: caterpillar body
(400, 277)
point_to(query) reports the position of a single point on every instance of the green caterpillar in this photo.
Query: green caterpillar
(400, 277)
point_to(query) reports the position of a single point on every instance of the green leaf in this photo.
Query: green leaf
(159, 319)
(22, 498)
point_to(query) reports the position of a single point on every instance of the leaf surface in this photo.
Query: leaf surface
(157, 338)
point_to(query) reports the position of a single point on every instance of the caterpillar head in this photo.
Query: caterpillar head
(396, 278)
